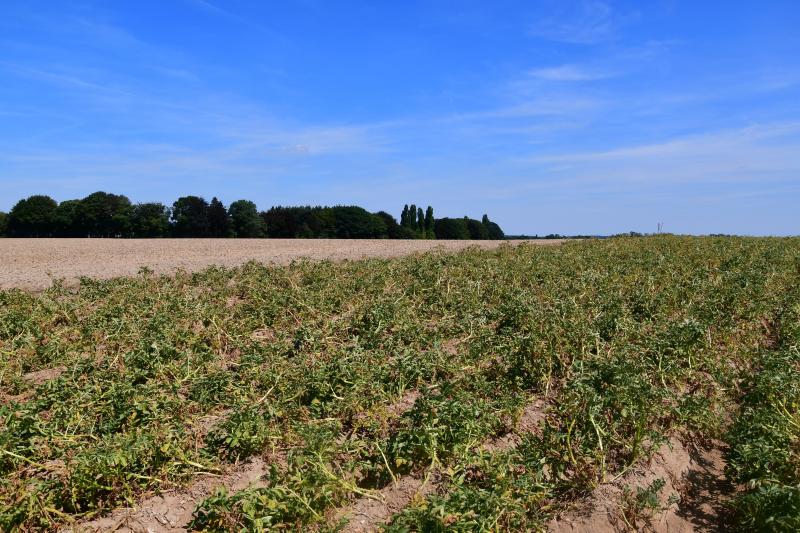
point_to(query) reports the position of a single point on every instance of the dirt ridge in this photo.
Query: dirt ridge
(692, 498)
(171, 511)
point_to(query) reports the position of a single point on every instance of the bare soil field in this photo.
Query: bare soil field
(33, 264)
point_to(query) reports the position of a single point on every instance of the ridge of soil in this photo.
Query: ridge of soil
(172, 510)
(692, 499)
(366, 514)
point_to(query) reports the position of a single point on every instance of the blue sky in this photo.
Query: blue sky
(550, 116)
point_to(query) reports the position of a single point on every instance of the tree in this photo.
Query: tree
(285, 222)
(404, 217)
(3, 224)
(429, 223)
(104, 215)
(150, 220)
(393, 229)
(477, 231)
(420, 223)
(32, 217)
(65, 221)
(245, 220)
(190, 217)
(451, 228)
(353, 222)
(493, 231)
(219, 221)
(412, 217)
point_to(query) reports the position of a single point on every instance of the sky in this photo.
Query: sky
(553, 116)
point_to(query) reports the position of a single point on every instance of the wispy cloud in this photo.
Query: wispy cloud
(570, 72)
(582, 22)
(691, 145)
(758, 153)
(214, 9)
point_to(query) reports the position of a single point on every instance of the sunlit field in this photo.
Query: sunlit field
(516, 388)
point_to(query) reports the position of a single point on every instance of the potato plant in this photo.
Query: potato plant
(117, 389)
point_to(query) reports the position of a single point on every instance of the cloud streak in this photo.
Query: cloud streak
(583, 22)
(569, 73)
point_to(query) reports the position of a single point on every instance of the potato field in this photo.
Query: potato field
(606, 385)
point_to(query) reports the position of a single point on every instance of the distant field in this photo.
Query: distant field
(33, 263)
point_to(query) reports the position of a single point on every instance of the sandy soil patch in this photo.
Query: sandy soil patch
(33, 264)
(171, 511)
(692, 499)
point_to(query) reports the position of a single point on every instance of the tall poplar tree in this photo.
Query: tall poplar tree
(429, 223)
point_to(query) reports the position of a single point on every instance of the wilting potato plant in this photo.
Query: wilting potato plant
(113, 390)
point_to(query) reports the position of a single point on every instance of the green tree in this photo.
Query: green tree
(412, 217)
(493, 231)
(451, 228)
(353, 222)
(104, 215)
(190, 217)
(246, 221)
(219, 221)
(404, 217)
(3, 223)
(429, 234)
(477, 231)
(420, 223)
(32, 217)
(65, 220)
(150, 220)
(393, 229)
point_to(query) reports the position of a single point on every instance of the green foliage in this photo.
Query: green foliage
(32, 217)
(219, 221)
(190, 217)
(109, 215)
(451, 228)
(245, 220)
(416, 223)
(339, 222)
(477, 231)
(149, 220)
(764, 446)
(66, 219)
(493, 231)
(769, 508)
(242, 434)
(103, 215)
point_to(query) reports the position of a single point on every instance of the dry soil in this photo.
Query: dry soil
(33, 264)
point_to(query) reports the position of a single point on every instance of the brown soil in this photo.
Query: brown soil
(33, 264)
(41, 376)
(366, 514)
(171, 511)
(529, 422)
(694, 478)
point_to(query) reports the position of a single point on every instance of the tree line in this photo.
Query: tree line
(102, 214)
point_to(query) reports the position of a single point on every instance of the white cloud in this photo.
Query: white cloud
(583, 22)
(755, 153)
(569, 73)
